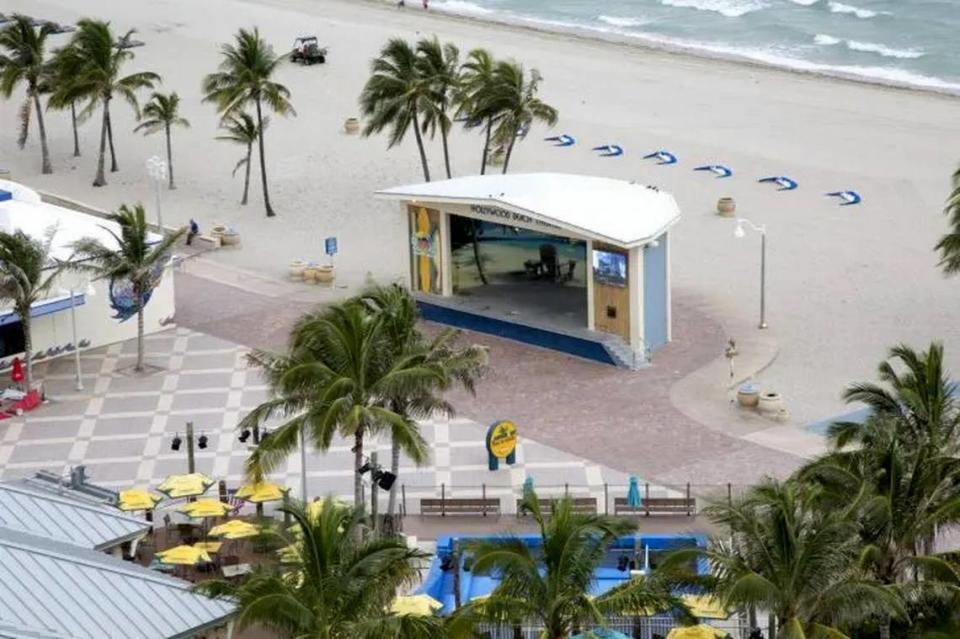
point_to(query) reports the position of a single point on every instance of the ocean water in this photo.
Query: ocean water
(906, 42)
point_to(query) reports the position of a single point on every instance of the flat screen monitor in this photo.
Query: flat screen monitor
(610, 268)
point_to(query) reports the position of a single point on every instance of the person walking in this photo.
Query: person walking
(426, 4)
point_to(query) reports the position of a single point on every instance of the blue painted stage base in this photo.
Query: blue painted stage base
(562, 342)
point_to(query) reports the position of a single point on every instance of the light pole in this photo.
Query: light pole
(157, 170)
(739, 233)
(89, 292)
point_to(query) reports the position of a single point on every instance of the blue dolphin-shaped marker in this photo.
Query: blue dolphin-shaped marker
(609, 150)
(662, 156)
(562, 140)
(849, 197)
(786, 184)
(721, 170)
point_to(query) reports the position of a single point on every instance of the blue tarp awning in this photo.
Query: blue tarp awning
(43, 307)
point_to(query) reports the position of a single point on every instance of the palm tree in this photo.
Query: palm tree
(438, 67)
(93, 61)
(520, 105)
(241, 128)
(334, 586)
(478, 97)
(245, 78)
(792, 557)
(333, 380)
(553, 586)
(60, 73)
(159, 114)
(27, 272)
(133, 256)
(949, 244)
(24, 61)
(462, 366)
(396, 96)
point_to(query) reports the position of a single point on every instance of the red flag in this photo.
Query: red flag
(16, 374)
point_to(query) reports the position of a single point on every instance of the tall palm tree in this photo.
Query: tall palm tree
(27, 272)
(452, 365)
(333, 585)
(241, 128)
(478, 97)
(245, 78)
(396, 97)
(949, 244)
(160, 114)
(438, 67)
(23, 61)
(517, 93)
(333, 380)
(94, 61)
(60, 77)
(133, 256)
(792, 557)
(553, 586)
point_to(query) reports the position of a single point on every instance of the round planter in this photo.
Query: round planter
(324, 274)
(310, 274)
(748, 396)
(296, 269)
(230, 238)
(352, 126)
(726, 206)
(770, 403)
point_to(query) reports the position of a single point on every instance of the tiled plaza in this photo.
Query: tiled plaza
(121, 427)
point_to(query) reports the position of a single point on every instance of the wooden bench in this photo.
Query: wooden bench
(656, 506)
(579, 506)
(447, 506)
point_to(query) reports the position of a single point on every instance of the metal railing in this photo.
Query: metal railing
(634, 627)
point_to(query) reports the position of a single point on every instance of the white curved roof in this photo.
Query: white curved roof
(614, 211)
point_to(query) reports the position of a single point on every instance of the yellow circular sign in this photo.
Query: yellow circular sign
(503, 439)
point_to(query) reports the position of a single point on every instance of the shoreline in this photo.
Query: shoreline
(650, 44)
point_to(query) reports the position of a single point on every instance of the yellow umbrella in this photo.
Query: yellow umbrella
(136, 499)
(235, 529)
(701, 631)
(209, 546)
(261, 492)
(183, 556)
(205, 508)
(185, 485)
(704, 607)
(419, 605)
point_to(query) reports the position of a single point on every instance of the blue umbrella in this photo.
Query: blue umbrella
(527, 485)
(633, 493)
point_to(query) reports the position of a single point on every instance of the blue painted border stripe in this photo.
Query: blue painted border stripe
(569, 344)
(43, 308)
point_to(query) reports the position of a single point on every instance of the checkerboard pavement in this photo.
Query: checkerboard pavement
(121, 426)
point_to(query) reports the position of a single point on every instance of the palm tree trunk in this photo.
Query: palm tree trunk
(486, 146)
(76, 137)
(771, 626)
(246, 177)
(169, 158)
(446, 151)
(423, 154)
(885, 628)
(474, 227)
(44, 150)
(113, 153)
(506, 160)
(357, 483)
(101, 179)
(27, 347)
(139, 367)
(395, 469)
(263, 162)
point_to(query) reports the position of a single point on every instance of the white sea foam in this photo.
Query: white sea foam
(826, 40)
(887, 52)
(728, 8)
(805, 3)
(462, 7)
(839, 7)
(622, 22)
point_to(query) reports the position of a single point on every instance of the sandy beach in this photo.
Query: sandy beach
(844, 283)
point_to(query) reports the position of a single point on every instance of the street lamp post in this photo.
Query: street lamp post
(739, 233)
(157, 170)
(73, 322)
